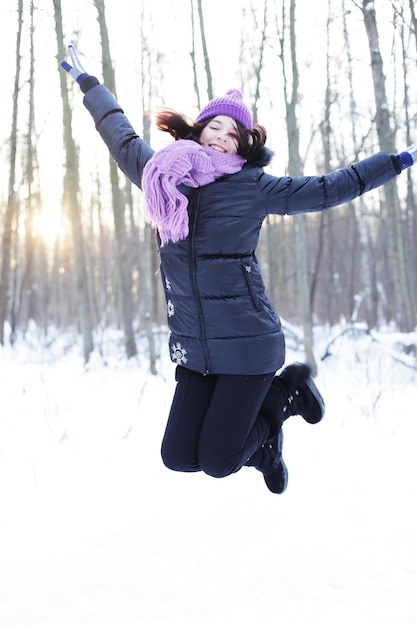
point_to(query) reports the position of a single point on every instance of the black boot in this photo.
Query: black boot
(268, 460)
(303, 396)
(292, 392)
(276, 476)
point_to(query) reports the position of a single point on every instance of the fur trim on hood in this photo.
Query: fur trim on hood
(260, 157)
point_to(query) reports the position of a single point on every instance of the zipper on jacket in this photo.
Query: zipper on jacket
(247, 270)
(193, 279)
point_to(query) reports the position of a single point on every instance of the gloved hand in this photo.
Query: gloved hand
(77, 72)
(408, 157)
(412, 151)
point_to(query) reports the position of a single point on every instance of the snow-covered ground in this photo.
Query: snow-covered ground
(94, 531)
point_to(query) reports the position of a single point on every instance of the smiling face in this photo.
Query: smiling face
(220, 134)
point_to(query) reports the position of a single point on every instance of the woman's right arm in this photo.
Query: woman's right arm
(129, 151)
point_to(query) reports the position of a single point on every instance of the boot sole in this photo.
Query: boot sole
(277, 480)
(317, 412)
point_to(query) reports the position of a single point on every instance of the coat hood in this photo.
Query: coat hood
(260, 157)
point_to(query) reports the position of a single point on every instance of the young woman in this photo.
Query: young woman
(207, 195)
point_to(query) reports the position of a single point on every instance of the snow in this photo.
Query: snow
(95, 531)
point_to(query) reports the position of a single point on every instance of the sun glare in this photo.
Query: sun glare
(48, 223)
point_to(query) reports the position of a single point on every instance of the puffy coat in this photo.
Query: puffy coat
(220, 318)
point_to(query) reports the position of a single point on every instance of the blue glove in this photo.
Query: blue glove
(77, 72)
(408, 157)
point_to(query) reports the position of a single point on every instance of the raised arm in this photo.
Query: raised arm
(129, 151)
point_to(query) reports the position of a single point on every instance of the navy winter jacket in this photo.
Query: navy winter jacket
(220, 319)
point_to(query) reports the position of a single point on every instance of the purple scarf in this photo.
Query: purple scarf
(185, 162)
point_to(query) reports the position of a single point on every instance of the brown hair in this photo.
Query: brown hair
(181, 127)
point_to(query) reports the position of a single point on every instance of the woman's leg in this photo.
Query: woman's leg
(189, 406)
(232, 429)
(218, 423)
(292, 392)
(213, 425)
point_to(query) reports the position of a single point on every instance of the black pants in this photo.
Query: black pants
(214, 424)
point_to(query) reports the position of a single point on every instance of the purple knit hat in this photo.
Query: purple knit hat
(230, 104)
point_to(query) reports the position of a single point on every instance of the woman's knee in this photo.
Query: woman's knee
(218, 467)
(207, 463)
(176, 461)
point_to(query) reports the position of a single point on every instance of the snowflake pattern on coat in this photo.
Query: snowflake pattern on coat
(170, 308)
(178, 354)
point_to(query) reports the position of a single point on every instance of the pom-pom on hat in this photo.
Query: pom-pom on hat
(230, 104)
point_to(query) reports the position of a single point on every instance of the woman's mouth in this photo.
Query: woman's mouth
(217, 148)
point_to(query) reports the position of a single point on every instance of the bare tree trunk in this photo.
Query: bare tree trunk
(368, 294)
(71, 191)
(411, 218)
(118, 200)
(193, 57)
(259, 59)
(32, 292)
(149, 286)
(325, 233)
(295, 169)
(12, 200)
(103, 249)
(205, 51)
(406, 314)
(413, 18)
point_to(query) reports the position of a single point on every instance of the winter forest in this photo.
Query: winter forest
(332, 82)
(94, 530)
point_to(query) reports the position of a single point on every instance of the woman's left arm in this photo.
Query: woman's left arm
(304, 194)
